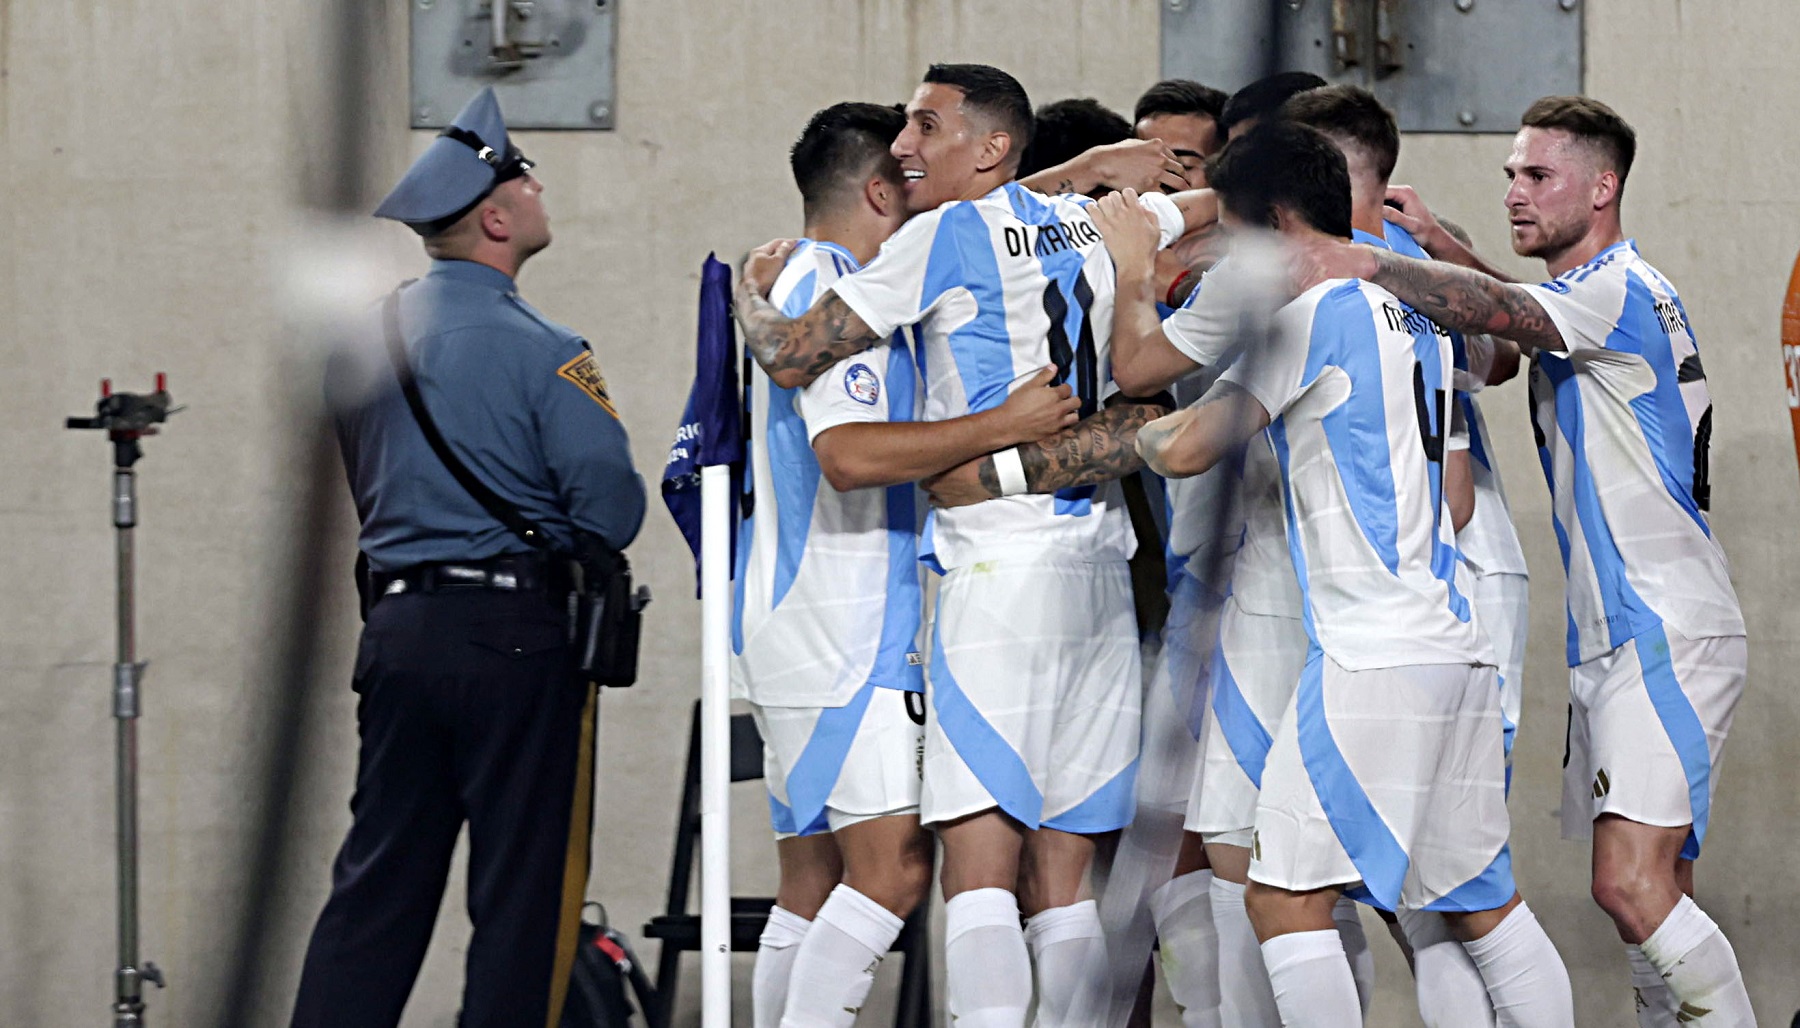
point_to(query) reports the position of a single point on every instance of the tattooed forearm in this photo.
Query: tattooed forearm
(1467, 301)
(1099, 449)
(794, 351)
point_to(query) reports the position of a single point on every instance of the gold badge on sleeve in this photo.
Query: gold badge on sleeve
(585, 373)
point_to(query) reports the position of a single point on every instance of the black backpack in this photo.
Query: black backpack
(604, 966)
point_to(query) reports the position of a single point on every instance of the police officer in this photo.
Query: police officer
(469, 707)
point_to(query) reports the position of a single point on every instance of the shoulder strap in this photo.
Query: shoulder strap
(499, 509)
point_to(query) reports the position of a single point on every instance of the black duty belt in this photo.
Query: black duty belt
(523, 573)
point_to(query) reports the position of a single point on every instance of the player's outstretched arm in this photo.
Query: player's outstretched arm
(860, 455)
(1199, 209)
(794, 351)
(1457, 299)
(1098, 449)
(1141, 164)
(1463, 300)
(1193, 440)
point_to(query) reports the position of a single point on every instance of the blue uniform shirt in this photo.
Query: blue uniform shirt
(518, 397)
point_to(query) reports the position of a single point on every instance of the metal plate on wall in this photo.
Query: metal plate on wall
(1475, 65)
(1228, 44)
(556, 72)
(1441, 65)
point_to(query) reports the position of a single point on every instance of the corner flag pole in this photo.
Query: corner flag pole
(715, 746)
(707, 459)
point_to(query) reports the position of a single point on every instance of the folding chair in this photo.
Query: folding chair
(679, 931)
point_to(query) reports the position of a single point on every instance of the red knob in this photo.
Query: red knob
(162, 382)
(105, 388)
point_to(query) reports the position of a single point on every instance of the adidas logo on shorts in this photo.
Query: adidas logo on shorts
(1602, 784)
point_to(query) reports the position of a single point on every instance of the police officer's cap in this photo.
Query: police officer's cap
(457, 171)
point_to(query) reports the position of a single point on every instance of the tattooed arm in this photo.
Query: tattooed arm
(794, 351)
(1100, 448)
(1462, 300)
(1457, 299)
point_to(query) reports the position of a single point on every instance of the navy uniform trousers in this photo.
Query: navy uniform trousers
(468, 711)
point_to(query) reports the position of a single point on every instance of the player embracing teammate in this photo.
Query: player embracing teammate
(1034, 683)
(1357, 737)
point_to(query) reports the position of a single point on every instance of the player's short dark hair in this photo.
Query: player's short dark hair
(1180, 96)
(993, 94)
(1590, 121)
(841, 147)
(1070, 128)
(1265, 96)
(1288, 165)
(1353, 113)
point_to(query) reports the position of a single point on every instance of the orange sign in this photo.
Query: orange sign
(1790, 349)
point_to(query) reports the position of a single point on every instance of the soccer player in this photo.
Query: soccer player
(1185, 115)
(1450, 990)
(828, 608)
(1386, 772)
(1033, 677)
(1656, 640)
(1261, 647)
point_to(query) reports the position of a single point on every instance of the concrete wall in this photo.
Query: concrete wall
(156, 155)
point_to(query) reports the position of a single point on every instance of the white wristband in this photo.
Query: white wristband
(1010, 470)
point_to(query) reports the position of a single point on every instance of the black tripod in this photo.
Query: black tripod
(127, 418)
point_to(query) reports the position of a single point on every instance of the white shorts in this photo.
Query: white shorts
(1647, 725)
(828, 767)
(1036, 686)
(1503, 606)
(1255, 669)
(1394, 778)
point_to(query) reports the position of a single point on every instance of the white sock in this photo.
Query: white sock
(1189, 947)
(835, 967)
(1693, 956)
(1448, 984)
(1246, 999)
(1068, 950)
(1311, 979)
(987, 970)
(775, 952)
(1525, 976)
(1656, 1006)
(1356, 950)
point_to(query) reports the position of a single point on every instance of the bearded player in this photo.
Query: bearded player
(1656, 645)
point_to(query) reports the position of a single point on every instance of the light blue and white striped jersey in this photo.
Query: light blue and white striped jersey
(1002, 286)
(1623, 422)
(1356, 388)
(828, 591)
(1489, 543)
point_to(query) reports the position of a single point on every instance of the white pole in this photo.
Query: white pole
(715, 747)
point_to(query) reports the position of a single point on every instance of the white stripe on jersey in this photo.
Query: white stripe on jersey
(827, 585)
(1623, 421)
(1355, 386)
(1001, 287)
